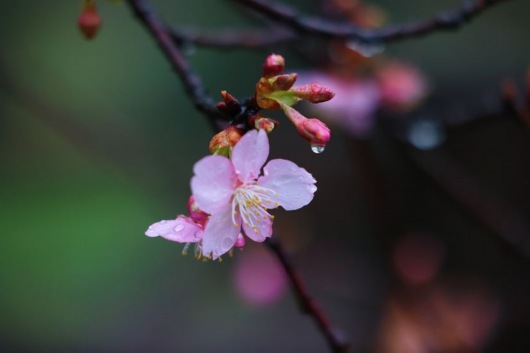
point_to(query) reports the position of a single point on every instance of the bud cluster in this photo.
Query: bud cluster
(277, 91)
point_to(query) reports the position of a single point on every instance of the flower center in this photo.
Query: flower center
(253, 202)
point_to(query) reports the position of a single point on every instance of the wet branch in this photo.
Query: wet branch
(229, 39)
(288, 16)
(206, 104)
(191, 81)
(307, 304)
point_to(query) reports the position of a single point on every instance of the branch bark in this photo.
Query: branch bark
(307, 304)
(288, 16)
(229, 39)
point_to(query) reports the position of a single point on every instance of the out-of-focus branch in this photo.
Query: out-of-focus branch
(502, 219)
(192, 83)
(290, 17)
(307, 304)
(233, 38)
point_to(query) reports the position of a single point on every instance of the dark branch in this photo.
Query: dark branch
(205, 103)
(502, 219)
(192, 83)
(233, 38)
(317, 26)
(307, 304)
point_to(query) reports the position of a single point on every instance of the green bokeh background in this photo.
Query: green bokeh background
(98, 140)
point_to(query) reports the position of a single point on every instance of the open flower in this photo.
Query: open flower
(186, 229)
(236, 196)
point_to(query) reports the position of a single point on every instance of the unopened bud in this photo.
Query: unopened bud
(263, 88)
(314, 93)
(233, 106)
(89, 20)
(261, 122)
(273, 65)
(240, 242)
(223, 142)
(313, 131)
(196, 214)
(283, 82)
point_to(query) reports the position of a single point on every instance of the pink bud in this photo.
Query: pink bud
(273, 65)
(240, 242)
(232, 104)
(89, 20)
(314, 93)
(196, 214)
(312, 130)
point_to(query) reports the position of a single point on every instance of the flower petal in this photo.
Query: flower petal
(214, 183)
(293, 185)
(263, 228)
(249, 155)
(220, 235)
(181, 230)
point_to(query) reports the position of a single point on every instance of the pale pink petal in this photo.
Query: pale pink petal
(214, 183)
(220, 234)
(263, 228)
(181, 230)
(293, 186)
(249, 155)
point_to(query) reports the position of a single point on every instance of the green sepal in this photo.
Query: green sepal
(223, 151)
(286, 97)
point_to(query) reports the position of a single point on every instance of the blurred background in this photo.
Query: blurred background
(417, 239)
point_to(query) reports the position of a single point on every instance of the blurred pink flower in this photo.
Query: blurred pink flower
(258, 277)
(402, 86)
(231, 192)
(418, 258)
(354, 104)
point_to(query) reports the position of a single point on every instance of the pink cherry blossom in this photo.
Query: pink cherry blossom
(186, 229)
(236, 196)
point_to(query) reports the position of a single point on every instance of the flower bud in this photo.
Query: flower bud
(233, 106)
(261, 122)
(273, 65)
(264, 87)
(240, 242)
(89, 20)
(314, 93)
(312, 130)
(196, 214)
(223, 142)
(315, 132)
(283, 82)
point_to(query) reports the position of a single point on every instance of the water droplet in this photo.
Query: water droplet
(178, 228)
(317, 148)
(365, 49)
(163, 222)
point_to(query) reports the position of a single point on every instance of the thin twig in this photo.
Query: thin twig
(192, 83)
(228, 39)
(307, 304)
(290, 17)
(205, 104)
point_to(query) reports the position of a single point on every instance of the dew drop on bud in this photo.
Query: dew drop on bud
(178, 228)
(317, 148)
